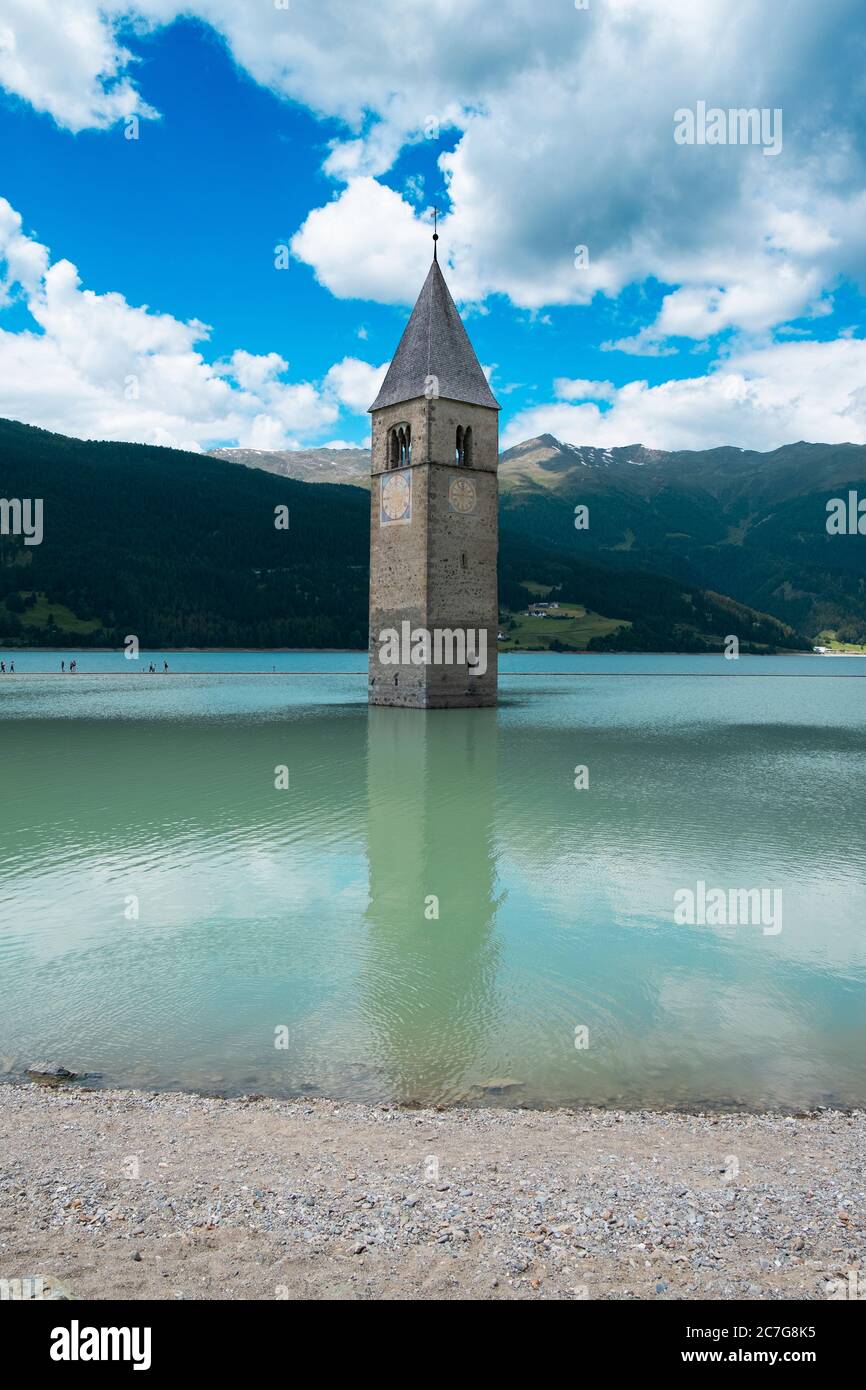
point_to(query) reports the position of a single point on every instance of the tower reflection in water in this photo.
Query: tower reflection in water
(428, 987)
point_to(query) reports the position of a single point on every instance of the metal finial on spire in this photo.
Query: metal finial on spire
(435, 231)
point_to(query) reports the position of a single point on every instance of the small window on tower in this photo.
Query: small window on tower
(458, 447)
(399, 452)
(463, 559)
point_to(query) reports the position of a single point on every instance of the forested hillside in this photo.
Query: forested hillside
(179, 549)
(182, 550)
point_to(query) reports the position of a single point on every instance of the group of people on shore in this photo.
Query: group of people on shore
(73, 668)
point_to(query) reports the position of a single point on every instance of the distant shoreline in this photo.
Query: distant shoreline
(349, 651)
(118, 651)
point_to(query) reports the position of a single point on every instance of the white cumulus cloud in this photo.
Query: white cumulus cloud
(98, 367)
(759, 398)
(564, 124)
(66, 59)
(366, 244)
(355, 383)
(560, 137)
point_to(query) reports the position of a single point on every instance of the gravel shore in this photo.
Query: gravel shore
(124, 1194)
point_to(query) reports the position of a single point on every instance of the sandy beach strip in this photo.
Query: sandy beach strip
(124, 1194)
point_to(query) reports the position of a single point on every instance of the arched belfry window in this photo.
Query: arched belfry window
(399, 446)
(463, 447)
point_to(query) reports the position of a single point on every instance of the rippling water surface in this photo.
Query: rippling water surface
(306, 917)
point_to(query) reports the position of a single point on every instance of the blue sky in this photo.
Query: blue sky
(720, 300)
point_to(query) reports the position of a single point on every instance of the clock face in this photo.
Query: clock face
(461, 495)
(396, 498)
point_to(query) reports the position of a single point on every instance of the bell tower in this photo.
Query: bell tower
(434, 517)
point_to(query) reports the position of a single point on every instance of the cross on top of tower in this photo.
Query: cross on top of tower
(435, 231)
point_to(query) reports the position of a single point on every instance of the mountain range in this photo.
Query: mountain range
(741, 523)
(181, 549)
(749, 525)
(350, 466)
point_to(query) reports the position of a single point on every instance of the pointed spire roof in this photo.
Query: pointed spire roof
(435, 343)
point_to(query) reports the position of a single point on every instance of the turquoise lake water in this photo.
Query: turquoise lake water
(170, 917)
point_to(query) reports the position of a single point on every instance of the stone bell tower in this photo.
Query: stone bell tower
(434, 517)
